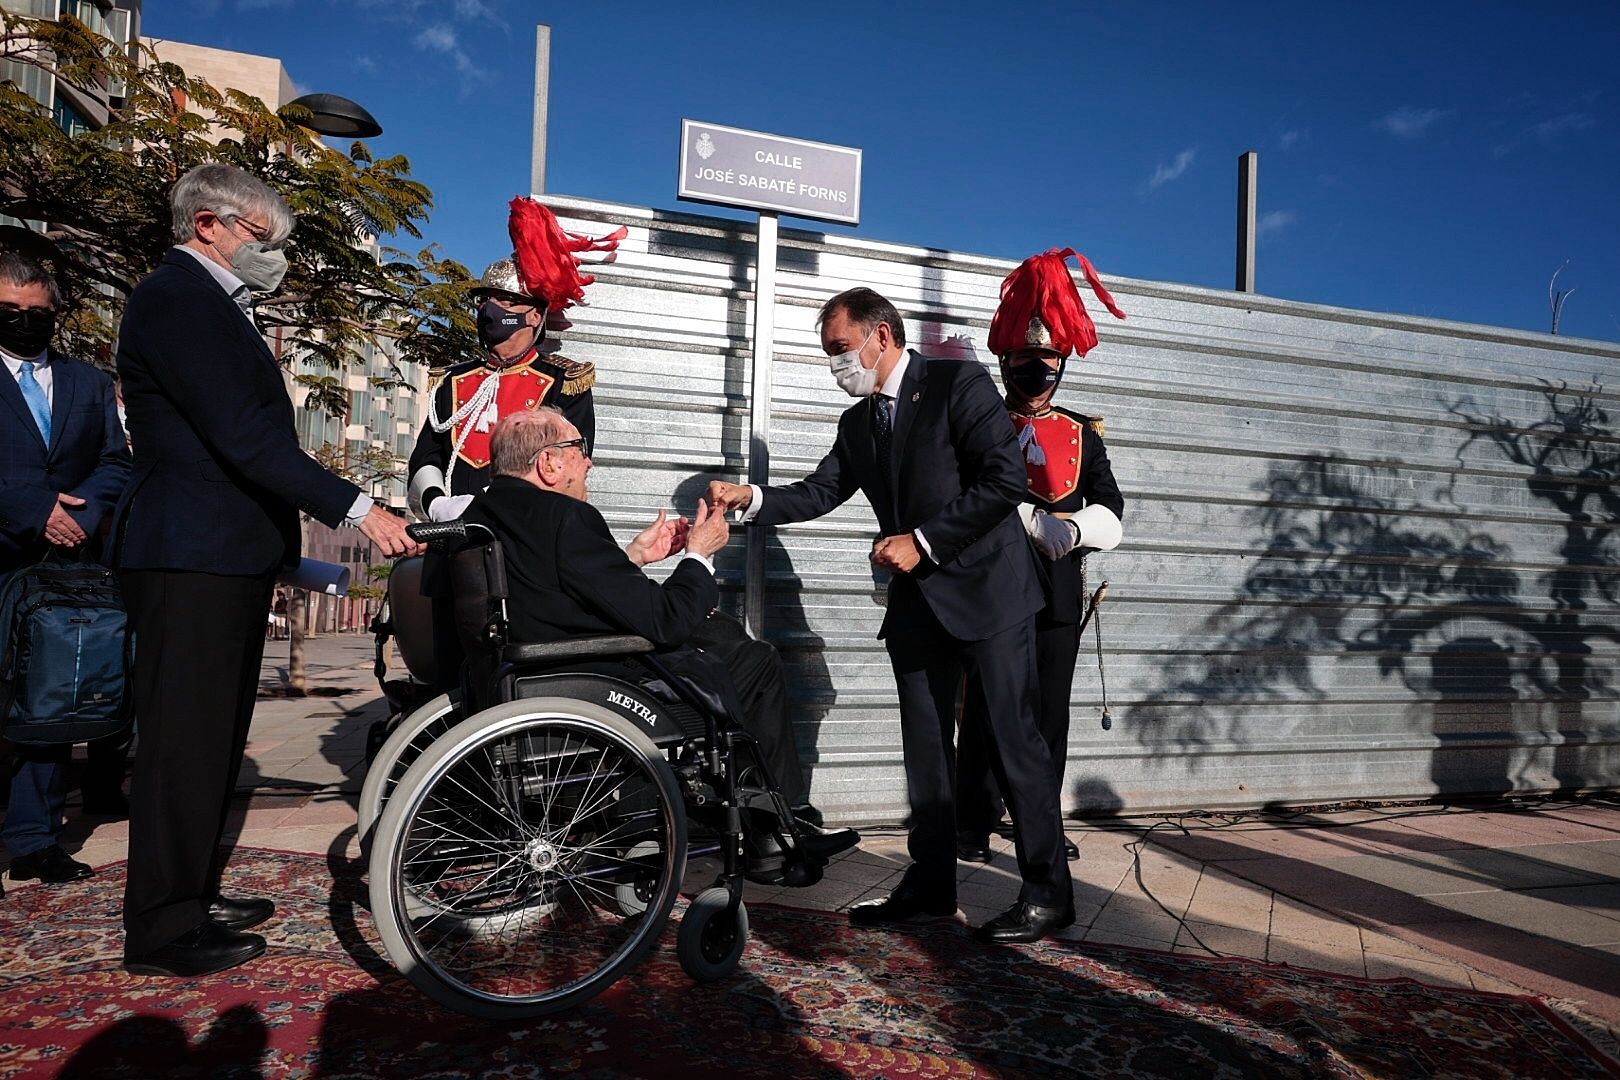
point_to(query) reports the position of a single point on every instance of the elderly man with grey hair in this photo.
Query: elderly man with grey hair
(210, 518)
(568, 578)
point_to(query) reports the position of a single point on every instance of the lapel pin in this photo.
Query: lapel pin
(916, 395)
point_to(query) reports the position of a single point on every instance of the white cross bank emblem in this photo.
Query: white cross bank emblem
(705, 146)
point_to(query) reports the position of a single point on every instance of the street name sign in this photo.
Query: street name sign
(758, 171)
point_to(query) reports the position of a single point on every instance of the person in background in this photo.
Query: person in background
(517, 299)
(210, 518)
(1072, 506)
(63, 465)
(929, 444)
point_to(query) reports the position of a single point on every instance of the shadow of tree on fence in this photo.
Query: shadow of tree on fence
(1494, 659)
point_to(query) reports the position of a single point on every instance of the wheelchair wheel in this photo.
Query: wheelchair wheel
(711, 940)
(498, 864)
(414, 734)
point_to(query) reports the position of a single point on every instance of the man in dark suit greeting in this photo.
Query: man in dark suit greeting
(930, 446)
(209, 519)
(63, 463)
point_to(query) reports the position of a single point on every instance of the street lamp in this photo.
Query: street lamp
(336, 116)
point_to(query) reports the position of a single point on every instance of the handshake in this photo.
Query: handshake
(704, 534)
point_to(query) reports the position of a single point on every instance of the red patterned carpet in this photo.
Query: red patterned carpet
(813, 999)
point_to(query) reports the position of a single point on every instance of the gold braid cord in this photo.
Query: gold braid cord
(578, 376)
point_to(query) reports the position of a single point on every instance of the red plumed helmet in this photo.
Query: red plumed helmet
(548, 257)
(1041, 308)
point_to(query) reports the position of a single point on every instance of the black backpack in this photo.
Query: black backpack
(64, 654)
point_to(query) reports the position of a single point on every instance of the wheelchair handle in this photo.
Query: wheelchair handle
(439, 532)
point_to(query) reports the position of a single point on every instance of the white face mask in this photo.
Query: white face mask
(855, 378)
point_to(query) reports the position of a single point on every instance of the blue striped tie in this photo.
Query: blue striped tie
(34, 394)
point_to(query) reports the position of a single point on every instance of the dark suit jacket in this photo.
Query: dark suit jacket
(88, 458)
(219, 476)
(957, 476)
(567, 577)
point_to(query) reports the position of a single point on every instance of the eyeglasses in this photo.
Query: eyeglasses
(255, 231)
(580, 442)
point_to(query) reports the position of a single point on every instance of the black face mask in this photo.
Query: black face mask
(26, 332)
(496, 324)
(1032, 378)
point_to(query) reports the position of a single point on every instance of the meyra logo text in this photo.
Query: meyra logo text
(624, 701)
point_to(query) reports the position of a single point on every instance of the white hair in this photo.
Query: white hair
(229, 193)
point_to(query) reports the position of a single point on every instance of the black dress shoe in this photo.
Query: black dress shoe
(820, 843)
(1025, 922)
(973, 848)
(1070, 852)
(899, 906)
(51, 865)
(240, 913)
(202, 951)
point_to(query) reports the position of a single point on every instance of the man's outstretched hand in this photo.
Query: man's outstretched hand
(726, 496)
(388, 532)
(658, 541)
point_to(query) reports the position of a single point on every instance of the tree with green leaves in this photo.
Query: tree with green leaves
(103, 198)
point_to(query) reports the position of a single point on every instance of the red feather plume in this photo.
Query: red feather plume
(546, 254)
(1041, 285)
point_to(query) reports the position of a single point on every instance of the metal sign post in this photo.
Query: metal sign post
(759, 416)
(769, 173)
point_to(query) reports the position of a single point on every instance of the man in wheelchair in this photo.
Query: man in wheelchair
(568, 578)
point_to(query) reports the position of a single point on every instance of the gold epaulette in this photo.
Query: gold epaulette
(578, 375)
(1095, 423)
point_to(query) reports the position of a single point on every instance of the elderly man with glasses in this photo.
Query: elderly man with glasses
(569, 578)
(210, 518)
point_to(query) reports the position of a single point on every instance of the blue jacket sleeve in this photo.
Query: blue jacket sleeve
(823, 491)
(987, 454)
(100, 490)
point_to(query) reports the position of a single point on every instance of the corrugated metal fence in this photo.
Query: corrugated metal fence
(1366, 556)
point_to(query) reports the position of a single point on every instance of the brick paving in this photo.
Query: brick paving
(1508, 898)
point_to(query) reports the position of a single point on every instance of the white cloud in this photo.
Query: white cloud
(1410, 122)
(1288, 139)
(440, 38)
(1274, 221)
(367, 64)
(477, 9)
(1166, 173)
(1564, 124)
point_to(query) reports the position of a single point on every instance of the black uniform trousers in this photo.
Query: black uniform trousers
(978, 799)
(199, 639)
(929, 665)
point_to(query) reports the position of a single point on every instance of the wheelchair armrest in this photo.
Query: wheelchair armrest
(586, 648)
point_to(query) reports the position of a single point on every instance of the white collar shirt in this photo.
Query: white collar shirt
(42, 370)
(227, 280)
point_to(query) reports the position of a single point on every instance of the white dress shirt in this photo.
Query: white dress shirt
(232, 285)
(42, 370)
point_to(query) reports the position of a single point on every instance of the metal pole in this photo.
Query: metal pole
(1248, 192)
(542, 107)
(759, 417)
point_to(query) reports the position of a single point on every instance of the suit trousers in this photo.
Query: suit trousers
(929, 666)
(199, 639)
(978, 800)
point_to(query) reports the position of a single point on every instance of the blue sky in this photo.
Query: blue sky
(1432, 158)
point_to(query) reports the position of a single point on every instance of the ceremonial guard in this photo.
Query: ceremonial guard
(518, 299)
(1073, 506)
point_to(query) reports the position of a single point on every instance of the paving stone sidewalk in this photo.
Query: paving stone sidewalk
(1509, 898)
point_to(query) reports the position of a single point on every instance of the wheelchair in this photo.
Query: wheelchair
(529, 831)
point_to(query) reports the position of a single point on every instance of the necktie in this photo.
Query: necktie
(244, 300)
(34, 394)
(883, 440)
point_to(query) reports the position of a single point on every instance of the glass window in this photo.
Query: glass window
(70, 119)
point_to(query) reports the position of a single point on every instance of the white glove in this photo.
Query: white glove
(1053, 536)
(448, 507)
